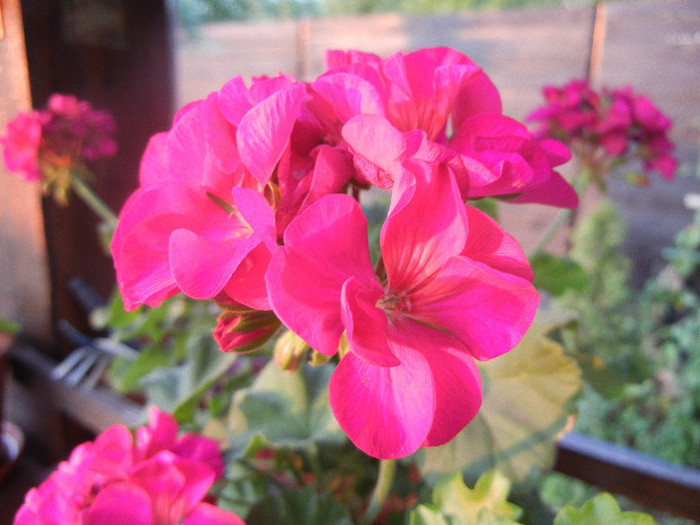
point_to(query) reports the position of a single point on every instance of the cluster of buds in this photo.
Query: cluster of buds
(607, 128)
(54, 144)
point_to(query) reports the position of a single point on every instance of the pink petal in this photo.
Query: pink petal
(174, 485)
(488, 243)
(366, 325)
(555, 191)
(154, 163)
(119, 504)
(486, 310)
(323, 246)
(247, 284)
(202, 266)
(233, 100)
(264, 131)
(350, 95)
(160, 434)
(256, 211)
(187, 146)
(375, 143)
(387, 412)
(455, 376)
(425, 227)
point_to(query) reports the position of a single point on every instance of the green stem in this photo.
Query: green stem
(579, 184)
(387, 469)
(94, 202)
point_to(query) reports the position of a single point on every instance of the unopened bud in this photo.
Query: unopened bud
(245, 332)
(290, 351)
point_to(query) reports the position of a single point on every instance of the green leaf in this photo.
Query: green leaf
(453, 502)
(526, 392)
(179, 389)
(424, 515)
(485, 503)
(556, 275)
(299, 507)
(287, 408)
(488, 205)
(601, 509)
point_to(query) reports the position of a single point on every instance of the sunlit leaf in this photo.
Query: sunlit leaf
(525, 397)
(601, 509)
(453, 502)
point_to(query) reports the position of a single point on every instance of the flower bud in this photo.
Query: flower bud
(290, 351)
(245, 332)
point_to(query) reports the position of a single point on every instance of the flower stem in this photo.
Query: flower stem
(387, 469)
(94, 202)
(579, 184)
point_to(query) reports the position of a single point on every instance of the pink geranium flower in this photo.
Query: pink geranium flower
(217, 191)
(54, 144)
(457, 288)
(423, 95)
(21, 145)
(161, 479)
(607, 128)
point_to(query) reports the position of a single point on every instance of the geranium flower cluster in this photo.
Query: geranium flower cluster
(158, 478)
(251, 199)
(607, 128)
(46, 144)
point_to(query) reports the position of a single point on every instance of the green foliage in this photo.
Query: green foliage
(455, 503)
(178, 360)
(556, 275)
(299, 507)
(526, 393)
(601, 509)
(638, 349)
(287, 409)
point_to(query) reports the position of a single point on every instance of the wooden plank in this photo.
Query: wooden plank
(619, 470)
(25, 294)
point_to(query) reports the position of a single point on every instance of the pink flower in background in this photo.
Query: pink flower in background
(607, 129)
(74, 127)
(457, 288)
(160, 480)
(53, 145)
(21, 145)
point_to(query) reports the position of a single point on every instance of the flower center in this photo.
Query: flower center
(395, 301)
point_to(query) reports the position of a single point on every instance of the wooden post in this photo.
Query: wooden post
(25, 294)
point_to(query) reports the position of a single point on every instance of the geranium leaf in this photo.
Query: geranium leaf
(524, 408)
(287, 408)
(299, 507)
(556, 275)
(453, 502)
(601, 509)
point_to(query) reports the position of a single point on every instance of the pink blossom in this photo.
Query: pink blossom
(457, 288)
(607, 128)
(419, 97)
(177, 232)
(21, 145)
(218, 189)
(160, 480)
